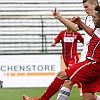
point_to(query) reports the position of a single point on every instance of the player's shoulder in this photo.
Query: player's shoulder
(63, 31)
(86, 19)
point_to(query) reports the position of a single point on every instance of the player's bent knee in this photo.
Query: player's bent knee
(68, 84)
(62, 75)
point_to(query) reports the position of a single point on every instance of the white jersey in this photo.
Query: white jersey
(89, 22)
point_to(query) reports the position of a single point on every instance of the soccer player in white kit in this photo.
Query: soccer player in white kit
(89, 22)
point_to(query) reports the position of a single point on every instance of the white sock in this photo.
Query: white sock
(63, 93)
(98, 98)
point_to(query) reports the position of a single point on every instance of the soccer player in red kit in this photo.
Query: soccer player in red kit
(86, 72)
(69, 40)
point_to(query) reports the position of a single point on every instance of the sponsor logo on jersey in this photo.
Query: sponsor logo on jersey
(68, 39)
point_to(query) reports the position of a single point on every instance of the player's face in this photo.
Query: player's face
(96, 19)
(88, 8)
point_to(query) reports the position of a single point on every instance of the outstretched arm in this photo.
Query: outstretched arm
(66, 22)
(86, 28)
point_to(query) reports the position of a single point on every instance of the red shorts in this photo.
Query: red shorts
(86, 72)
(70, 61)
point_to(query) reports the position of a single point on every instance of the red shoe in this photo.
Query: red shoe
(28, 98)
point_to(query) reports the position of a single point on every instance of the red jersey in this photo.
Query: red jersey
(69, 43)
(94, 46)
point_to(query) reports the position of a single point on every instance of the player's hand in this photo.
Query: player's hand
(76, 20)
(53, 44)
(56, 13)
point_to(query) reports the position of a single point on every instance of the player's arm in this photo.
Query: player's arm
(57, 39)
(53, 43)
(86, 28)
(81, 39)
(66, 22)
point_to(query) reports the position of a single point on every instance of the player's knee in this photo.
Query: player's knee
(62, 75)
(68, 84)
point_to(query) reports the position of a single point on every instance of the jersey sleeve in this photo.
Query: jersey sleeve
(58, 38)
(80, 38)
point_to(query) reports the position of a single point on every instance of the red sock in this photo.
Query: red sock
(52, 89)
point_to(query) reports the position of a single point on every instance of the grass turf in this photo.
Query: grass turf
(16, 93)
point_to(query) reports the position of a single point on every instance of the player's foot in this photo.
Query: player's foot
(28, 98)
(81, 94)
(25, 97)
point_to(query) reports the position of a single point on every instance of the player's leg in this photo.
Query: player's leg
(97, 97)
(89, 96)
(92, 96)
(72, 61)
(64, 92)
(53, 87)
(59, 80)
(90, 74)
(80, 88)
(91, 88)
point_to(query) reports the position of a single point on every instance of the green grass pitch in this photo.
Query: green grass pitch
(16, 93)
